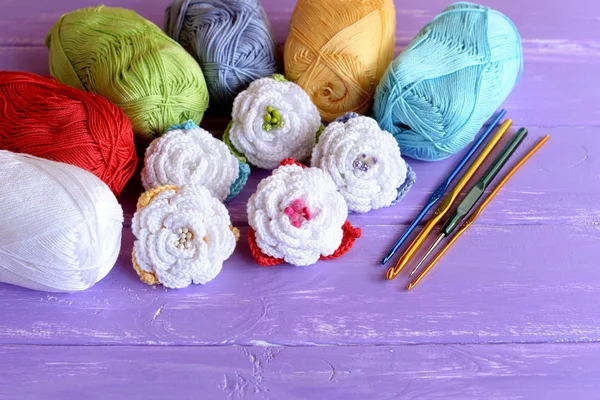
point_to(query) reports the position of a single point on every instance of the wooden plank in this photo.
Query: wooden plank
(513, 371)
(560, 61)
(499, 284)
(560, 185)
(578, 18)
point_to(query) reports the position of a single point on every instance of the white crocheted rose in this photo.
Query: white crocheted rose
(183, 236)
(272, 121)
(364, 162)
(297, 215)
(190, 156)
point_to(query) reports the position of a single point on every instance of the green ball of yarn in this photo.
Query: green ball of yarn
(117, 54)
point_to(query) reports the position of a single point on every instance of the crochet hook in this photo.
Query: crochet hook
(445, 205)
(471, 199)
(469, 221)
(439, 192)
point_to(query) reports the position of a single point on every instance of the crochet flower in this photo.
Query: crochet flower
(273, 120)
(364, 162)
(298, 216)
(183, 236)
(188, 154)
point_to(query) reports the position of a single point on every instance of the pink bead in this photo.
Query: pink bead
(307, 213)
(295, 217)
(297, 224)
(298, 205)
(289, 211)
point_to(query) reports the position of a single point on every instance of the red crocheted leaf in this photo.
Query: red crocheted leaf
(350, 235)
(291, 161)
(261, 258)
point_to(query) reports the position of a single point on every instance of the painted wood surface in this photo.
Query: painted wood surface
(511, 312)
(512, 371)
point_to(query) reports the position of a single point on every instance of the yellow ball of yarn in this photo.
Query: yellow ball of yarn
(117, 54)
(337, 50)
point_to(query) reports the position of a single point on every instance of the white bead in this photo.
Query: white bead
(179, 231)
(188, 245)
(180, 246)
(188, 235)
(185, 230)
(182, 236)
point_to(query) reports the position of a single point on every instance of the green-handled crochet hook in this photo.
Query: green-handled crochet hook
(471, 199)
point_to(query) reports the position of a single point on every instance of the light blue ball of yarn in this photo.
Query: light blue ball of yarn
(458, 70)
(231, 40)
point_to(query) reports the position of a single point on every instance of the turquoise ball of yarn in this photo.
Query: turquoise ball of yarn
(458, 70)
(231, 40)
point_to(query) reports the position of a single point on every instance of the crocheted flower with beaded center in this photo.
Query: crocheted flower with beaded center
(365, 163)
(273, 120)
(190, 155)
(298, 216)
(183, 236)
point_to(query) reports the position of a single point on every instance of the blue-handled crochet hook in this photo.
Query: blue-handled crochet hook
(439, 192)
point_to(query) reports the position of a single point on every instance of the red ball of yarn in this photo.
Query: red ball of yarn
(44, 118)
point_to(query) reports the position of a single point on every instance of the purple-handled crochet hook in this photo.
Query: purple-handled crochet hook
(439, 192)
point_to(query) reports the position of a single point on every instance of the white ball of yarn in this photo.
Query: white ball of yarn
(61, 225)
(364, 162)
(183, 236)
(294, 133)
(318, 230)
(190, 156)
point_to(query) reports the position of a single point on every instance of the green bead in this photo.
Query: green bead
(268, 118)
(269, 109)
(276, 114)
(274, 120)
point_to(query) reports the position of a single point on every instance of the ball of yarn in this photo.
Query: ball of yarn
(337, 51)
(45, 118)
(439, 92)
(189, 155)
(365, 163)
(298, 216)
(231, 40)
(272, 120)
(117, 54)
(183, 236)
(61, 225)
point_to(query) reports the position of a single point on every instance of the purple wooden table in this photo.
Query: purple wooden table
(512, 312)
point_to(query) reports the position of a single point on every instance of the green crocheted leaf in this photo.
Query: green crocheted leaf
(232, 148)
(279, 78)
(319, 132)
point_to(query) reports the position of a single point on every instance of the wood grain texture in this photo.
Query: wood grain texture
(561, 45)
(499, 284)
(510, 313)
(546, 371)
(559, 185)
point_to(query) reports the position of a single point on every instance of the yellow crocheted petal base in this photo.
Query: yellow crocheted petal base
(236, 232)
(146, 277)
(145, 199)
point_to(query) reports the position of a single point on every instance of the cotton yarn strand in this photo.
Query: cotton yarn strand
(61, 225)
(231, 40)
(117, 54)
(337, 51)
(453, 76)
(45, 118)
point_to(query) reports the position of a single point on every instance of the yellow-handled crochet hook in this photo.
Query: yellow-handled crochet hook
(469, 221)
(446, 204)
